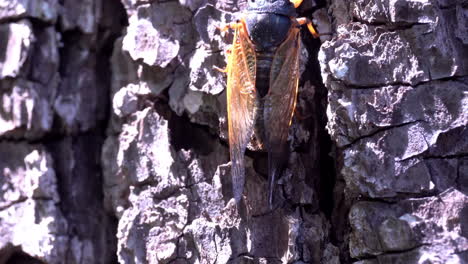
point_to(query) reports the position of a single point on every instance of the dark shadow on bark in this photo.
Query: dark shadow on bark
(23, 258)
(77, 153)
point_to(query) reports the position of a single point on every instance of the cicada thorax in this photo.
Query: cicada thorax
(267, 31)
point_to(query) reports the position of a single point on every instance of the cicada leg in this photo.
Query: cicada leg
(220, 69)
(296, 3)
(310, 26)
(222, 29)
(232, 25)
(304, 20)
(225, 70)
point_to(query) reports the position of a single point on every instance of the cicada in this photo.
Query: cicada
(262, 84)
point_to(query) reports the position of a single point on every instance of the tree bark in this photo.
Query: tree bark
(113, 136)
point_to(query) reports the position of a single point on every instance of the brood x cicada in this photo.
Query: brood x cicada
(262, 82)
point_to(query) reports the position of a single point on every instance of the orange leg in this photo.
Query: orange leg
(224, 28)
(220, 70)
(296, 3)
(233, 25)
(310, 26)
(225, 70)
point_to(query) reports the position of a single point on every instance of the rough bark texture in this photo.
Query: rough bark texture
(113, 136)
(54, 89)
(396, 73)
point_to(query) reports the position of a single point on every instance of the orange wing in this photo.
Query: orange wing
(241, 96)
(280, 103)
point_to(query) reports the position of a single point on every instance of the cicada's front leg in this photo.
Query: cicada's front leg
(222, 29)
(310, 26)
(228, 53)
(232, 25)
(304, 20)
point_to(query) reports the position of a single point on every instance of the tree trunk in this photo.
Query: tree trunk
(114, 146)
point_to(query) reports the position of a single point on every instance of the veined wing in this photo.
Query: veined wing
(241, 96)
(280, 103)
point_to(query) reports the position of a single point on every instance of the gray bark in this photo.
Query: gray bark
(113, 136)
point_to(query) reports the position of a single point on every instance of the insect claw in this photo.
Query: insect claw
(220, 70)
(312, 30)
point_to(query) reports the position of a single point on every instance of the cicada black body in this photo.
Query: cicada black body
(262, 83)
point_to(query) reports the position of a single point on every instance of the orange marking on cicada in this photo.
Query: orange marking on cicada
(226, 27)
(296, 3)
(310, 26)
